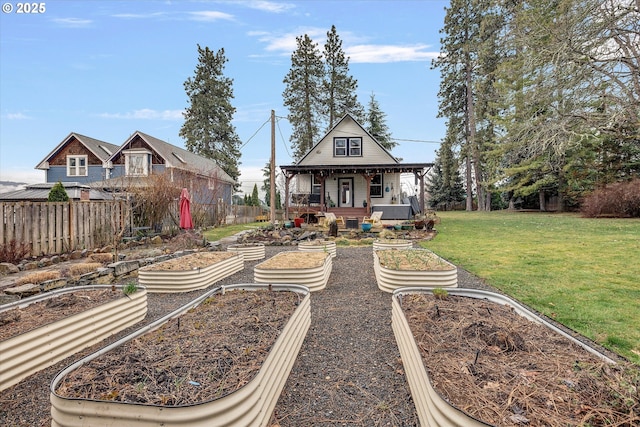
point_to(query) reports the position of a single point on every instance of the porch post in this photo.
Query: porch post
(287, 179)
(368, 177)
(322, 208)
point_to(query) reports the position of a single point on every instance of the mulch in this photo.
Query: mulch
(348, 371)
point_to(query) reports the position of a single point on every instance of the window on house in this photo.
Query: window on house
(77, 166)
(355, 147)
(315, 185)
(340, 147)
(375, 190)
(343, 147)
(137, 164)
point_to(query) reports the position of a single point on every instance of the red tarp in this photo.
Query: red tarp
(185, 210)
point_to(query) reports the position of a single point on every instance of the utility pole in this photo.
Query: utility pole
(272, 178)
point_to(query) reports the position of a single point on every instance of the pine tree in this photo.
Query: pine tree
(255, 198)
(339, 87)
(375, 124)
(58, 193)
(444, 184)
(207, 128)
(303, 95)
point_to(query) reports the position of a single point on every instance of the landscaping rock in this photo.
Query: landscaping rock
(121, 268)
(53, 284)
(31, 265)
(23, 290)
(8, 268)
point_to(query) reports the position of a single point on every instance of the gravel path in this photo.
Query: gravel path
(348, 371)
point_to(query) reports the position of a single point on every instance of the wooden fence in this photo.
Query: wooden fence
(49, 228)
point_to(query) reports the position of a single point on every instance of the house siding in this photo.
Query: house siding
(322, 153)
(59, 173)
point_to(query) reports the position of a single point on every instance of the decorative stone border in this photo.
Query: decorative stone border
(319, 246)
(251, 405)
(314, 278)
(390, 279)
(37, 349)
(381, 244)
(166, 281)
(432, 409)
(251, 251)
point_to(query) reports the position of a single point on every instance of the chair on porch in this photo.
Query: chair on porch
(375, 219)
(330, 216)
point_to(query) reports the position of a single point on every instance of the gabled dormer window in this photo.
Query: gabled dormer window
(347, 147)
(136, 162)
(77, 165)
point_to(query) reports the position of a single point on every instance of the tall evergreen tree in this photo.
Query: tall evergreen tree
(339, 87)
(255, 197)
(303, 95)
(375, 124)
(444, 184)
(266, 186)
(207, 128)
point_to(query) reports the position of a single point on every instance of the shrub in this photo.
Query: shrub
(13, 251)
(58, 193)
(620, 199)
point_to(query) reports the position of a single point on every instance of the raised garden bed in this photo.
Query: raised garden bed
(184, 369)
(477, 358)
(319, 246)
(251, 251)
(397, 268)
(66, 321)
(392, 244)
(190, 272)
(310, 269)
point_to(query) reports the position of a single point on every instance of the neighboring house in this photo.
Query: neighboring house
(77, 158)
(349, 173)
(109, 167)
(40, 193)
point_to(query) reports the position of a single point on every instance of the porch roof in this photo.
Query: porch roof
(327, 170)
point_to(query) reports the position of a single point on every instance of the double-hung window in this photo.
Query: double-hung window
(375, 189)
(136, 162)
(77, 166)
(347, 147)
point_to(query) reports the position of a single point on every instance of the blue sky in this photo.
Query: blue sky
(106, 69)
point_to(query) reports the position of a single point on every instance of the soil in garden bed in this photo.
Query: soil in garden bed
(21, 320)
(207, 353)
(190, 262)
(505, 370)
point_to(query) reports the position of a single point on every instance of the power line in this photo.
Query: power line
(417, 140)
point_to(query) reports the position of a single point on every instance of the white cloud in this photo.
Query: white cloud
(16, 116)
(73, 22)
(372, 53)
(210, 16)
(147, 114)
(270, 6)
(286, 44)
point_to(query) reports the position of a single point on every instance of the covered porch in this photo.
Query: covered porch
(350, 193)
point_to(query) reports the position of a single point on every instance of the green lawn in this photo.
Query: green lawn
(584, 273)
(229, 230)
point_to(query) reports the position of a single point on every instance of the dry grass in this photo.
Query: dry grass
(38, 277)
(83, 268)
(101, 258)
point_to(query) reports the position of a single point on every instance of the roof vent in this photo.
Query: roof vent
(178, 157)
